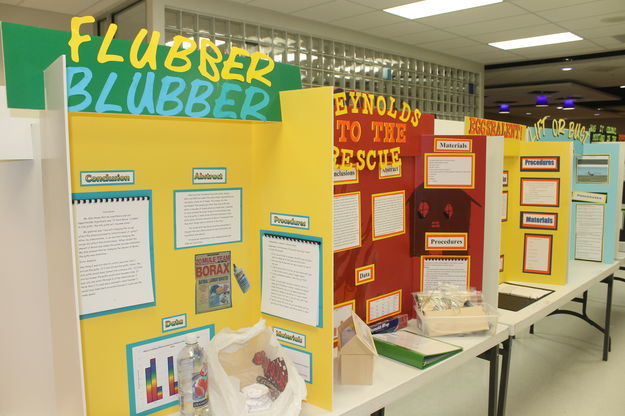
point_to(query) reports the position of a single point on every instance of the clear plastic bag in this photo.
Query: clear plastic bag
(245, 359)
(454, 311)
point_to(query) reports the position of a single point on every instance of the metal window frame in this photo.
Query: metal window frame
(433, 88)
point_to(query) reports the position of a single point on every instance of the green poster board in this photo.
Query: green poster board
(118, 87)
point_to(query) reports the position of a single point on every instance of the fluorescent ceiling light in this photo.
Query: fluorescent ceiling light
(536, 41)
(622, 86)
(567, 68)
(425, 8)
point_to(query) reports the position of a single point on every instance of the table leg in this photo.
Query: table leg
(608, 311)
(493, 380)
(505, 352)
(492, 356)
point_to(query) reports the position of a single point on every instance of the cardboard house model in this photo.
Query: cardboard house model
(356, 351)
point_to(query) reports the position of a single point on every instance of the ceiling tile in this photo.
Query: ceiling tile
(450, 44)
(590, 22)
(495, 57)
(538, 5)
(609, 42)
(564, 49)
(380, 5)
(477, 49)
(497, 25)
(285, 6)
(598, 32)
(369, 20)
(516, 33)
(430, 36)
(477, 14)
(590, 8)
(399, 29)
(335, 10)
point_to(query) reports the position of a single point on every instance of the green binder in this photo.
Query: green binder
(414, 349)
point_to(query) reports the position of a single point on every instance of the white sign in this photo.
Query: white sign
(589, 197)
(390, 172)
(290, 337)
(291, 221)
(539, 220)
(113, 177)
(345, 175)
(174, 322)
(451, 145)
(445, 241)
(206, 217)
(540, 164)
(203, 176)
(449, 171)
(346, 220)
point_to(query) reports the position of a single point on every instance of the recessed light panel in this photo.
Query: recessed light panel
(536, 41)
(427, 8)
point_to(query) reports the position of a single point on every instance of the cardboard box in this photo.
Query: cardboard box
(356, 352)
(481, 319)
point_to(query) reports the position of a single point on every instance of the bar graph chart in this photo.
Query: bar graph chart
(153, 390)
(153, 384)
(173, 384)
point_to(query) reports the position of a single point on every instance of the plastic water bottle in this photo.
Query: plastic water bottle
(193, 378)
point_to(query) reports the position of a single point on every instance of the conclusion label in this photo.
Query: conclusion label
(345, 176)
(108, 177)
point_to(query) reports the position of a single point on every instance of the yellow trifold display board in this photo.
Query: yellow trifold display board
(535, 214)
(282, 173)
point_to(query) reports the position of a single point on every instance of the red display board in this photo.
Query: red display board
(394, 268)
(452, 210)
(376, 272)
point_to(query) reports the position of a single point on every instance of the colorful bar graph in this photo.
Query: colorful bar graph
(153, 391)
(173, 384)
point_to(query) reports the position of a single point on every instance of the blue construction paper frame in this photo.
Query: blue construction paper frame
(317, 240)
(125, 194)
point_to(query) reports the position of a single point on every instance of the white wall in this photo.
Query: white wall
(26, 372)
(32, 17)
(448, 127)
(26, 350)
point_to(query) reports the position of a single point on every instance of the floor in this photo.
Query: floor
(558, 371)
